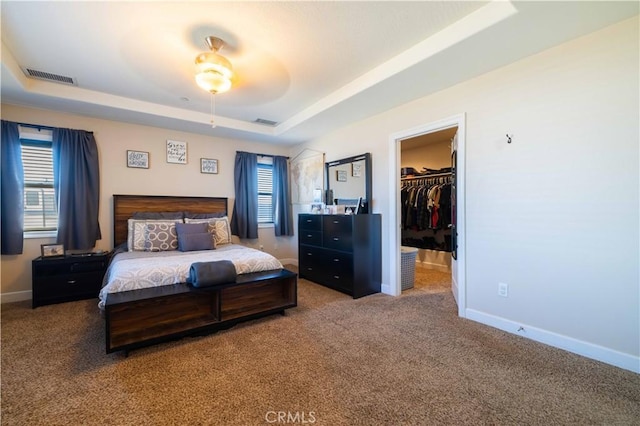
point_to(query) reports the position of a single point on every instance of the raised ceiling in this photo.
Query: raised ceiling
(311, 67)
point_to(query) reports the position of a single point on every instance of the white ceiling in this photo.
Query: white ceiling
(309, 66)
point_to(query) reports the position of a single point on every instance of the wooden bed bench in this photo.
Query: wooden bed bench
(152, 315)
(144, 317)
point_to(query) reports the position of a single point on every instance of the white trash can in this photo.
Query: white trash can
(407, 266)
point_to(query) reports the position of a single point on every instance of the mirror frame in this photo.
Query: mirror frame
(368, 176)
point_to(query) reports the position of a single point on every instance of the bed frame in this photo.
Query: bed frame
(138, 318)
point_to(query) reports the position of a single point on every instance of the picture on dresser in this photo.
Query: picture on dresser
(52, 250)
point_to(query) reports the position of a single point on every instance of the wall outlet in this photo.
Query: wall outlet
(503, 289)
(261, 247)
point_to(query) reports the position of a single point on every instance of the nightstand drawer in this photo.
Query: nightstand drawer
(84, 283)
(67, 278)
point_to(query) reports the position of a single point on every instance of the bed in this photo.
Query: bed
(152, 307)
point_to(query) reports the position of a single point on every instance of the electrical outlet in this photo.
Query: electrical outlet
(261, 247)
(503, 289)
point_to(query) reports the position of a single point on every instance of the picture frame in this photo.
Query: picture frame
(341, 175)
(209, 165)
(356, 169)
(52, 250)
(137, 159)
(176, 152)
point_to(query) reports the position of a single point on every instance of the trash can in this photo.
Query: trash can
(407, 266)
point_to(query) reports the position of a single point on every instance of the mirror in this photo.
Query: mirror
(349, 180)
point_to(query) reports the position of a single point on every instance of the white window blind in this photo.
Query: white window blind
(40, 210)
(265, 190)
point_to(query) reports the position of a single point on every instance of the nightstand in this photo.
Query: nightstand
(67, 278)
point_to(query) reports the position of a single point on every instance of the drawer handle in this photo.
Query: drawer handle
(308, 220)
(71, 282)
(336, 260)
(309, 254)
(309, 269)
(309, 235)
(336, 221)
(336, 239)
(337, 277)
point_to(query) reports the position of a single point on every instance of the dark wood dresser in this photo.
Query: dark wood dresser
(67, 278)
(343, 252)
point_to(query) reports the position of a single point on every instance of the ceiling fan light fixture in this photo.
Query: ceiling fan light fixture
(213, 71)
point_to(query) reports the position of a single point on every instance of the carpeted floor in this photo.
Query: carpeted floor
(377, 360)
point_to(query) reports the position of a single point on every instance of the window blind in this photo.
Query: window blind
(40, 210)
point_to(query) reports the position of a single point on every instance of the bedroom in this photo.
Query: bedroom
(602, 325)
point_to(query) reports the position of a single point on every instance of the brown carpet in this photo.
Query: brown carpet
(377, 360)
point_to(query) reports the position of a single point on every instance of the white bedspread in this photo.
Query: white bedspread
(136, 270)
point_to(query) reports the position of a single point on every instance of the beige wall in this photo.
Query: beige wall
(432, 156)
(534, 206)
(162, 178)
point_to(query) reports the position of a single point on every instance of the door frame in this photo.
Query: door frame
(395, 139)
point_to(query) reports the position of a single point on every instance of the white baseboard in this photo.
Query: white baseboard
(579, 347)
(386, 289)
(16, 296)
(289, 261)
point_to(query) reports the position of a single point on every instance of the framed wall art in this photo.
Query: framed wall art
(208, 165)
(176, 152)
(138, 159)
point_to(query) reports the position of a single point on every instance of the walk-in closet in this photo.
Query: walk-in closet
(426, 183)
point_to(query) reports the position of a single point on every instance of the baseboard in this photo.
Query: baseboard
(293, 262)
(16, 296)
(579, 347)
(386, 289)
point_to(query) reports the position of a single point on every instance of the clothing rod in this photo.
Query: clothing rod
(427, 176)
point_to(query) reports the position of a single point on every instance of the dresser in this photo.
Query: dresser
(342, 252)
(67, 278)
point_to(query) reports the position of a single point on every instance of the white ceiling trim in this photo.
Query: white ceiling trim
(464, 28)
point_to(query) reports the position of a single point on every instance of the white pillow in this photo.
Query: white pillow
(218, 226)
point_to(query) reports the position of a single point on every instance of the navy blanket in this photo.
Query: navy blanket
(205, 274)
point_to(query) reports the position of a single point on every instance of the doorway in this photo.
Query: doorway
(395, 212)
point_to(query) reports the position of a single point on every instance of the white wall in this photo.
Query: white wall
(162, 178)
(554, 214)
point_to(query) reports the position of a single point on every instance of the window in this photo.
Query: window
(40, 210)
(265, 189)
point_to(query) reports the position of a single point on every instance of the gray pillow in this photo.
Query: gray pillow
(192, 242)
(191, 228)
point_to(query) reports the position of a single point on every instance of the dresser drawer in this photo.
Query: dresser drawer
(312, 238)
(310, 222)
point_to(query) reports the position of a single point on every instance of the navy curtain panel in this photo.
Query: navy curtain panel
(244, 222)
(76, 176)
(12, 206)
(282, 216)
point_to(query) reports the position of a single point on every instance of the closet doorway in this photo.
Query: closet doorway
(427, 184)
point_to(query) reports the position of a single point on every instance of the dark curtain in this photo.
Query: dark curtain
(77, 188)
(282, 217)
(244, 222)
(12, 205)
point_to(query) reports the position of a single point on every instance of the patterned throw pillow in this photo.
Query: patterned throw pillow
(137, 232)
(219, 227)
(160, 236)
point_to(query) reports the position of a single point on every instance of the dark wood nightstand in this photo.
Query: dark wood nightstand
(67, 278)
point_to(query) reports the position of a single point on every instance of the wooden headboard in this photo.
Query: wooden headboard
(125, 205)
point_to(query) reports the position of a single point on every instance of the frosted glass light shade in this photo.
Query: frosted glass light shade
(213, 72)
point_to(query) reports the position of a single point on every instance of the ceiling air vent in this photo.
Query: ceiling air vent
(266, 122)
(42, 75)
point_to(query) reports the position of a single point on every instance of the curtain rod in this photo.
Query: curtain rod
(40, 127)
(264, 155)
